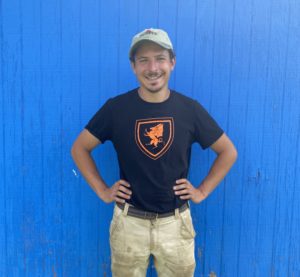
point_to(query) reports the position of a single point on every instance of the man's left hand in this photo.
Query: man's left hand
(186, 191)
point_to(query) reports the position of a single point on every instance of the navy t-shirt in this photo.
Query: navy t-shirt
(153, 143)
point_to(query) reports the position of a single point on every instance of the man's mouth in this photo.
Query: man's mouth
(153, 77)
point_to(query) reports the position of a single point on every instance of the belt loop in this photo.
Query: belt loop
(126, 207)
(177, 213)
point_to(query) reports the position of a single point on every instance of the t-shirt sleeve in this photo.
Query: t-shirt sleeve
(207, 131)
(100, 124)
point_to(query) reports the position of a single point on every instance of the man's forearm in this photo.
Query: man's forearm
(218, 171)
(88, 169)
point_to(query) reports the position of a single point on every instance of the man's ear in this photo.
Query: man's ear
(173, 62)
(132, 64)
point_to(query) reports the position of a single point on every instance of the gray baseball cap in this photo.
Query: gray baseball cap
(157, 36)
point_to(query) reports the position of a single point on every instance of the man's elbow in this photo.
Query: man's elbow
(232, 154)
(76, 149)
(84, 144)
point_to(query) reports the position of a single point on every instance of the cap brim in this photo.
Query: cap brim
(139, 43)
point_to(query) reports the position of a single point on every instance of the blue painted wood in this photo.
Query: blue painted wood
(61, 60)
(13, 137)
(69, 258)
(237, 97)
(33, 232)
(3, 233)
(51, 93)
(167, 17)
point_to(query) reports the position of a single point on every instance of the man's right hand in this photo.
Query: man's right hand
(118, 192)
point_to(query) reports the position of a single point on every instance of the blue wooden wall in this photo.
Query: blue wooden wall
(60, 60)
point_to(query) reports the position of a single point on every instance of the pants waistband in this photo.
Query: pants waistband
(135, 212)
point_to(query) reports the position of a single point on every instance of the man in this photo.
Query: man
(152, 129)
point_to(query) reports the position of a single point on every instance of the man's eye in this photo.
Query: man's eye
(143, 61)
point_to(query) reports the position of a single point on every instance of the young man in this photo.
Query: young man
(152, 129)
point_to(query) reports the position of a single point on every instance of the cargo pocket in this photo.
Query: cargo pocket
(116, 232)
(187, 229)
(114, 226)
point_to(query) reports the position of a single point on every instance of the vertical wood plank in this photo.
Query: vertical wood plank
(89, 86)
(34, 235)
(254, 174)
(186, 16)
(51, 95)
(71, 123)
(13, 136)
(167, 13)
(218, 99)
(292, 111)
(128, 28)
(3, 224)
(202, 88)
(242, 36)
(288, 116)
(148, 14)
(293, 267)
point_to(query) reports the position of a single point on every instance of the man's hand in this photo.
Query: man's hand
(118, 192)
(187, 191)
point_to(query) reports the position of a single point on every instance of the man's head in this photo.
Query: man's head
(156, 36)
(152, 59)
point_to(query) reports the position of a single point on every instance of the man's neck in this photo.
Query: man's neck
(154, 97)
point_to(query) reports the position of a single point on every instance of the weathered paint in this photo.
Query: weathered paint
(60, 60)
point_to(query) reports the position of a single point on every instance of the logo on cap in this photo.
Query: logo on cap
(148, 32)
(154, 136)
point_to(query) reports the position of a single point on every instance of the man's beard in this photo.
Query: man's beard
(156, 90)
(150, 75)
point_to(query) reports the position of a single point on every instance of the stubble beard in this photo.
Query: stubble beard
(154, 90)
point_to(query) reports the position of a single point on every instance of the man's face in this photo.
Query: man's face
(152, 66)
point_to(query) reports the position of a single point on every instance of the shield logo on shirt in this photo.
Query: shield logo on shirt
(154, 136)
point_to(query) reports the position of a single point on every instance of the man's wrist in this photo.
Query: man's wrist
(101, 188)
(203, 191)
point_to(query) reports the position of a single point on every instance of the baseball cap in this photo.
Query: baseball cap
(157, 36)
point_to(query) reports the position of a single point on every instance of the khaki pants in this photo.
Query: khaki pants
(170, 240)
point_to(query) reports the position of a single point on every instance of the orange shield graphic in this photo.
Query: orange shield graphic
(154, 136)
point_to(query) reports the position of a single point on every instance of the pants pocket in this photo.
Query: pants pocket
(187, 227)
(116, 222)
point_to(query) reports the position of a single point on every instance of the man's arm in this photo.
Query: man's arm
(226, 156)
(81, 154)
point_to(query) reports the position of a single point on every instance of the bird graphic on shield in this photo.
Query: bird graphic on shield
(154, 136)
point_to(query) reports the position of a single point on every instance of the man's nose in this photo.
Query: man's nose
(152, 65)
